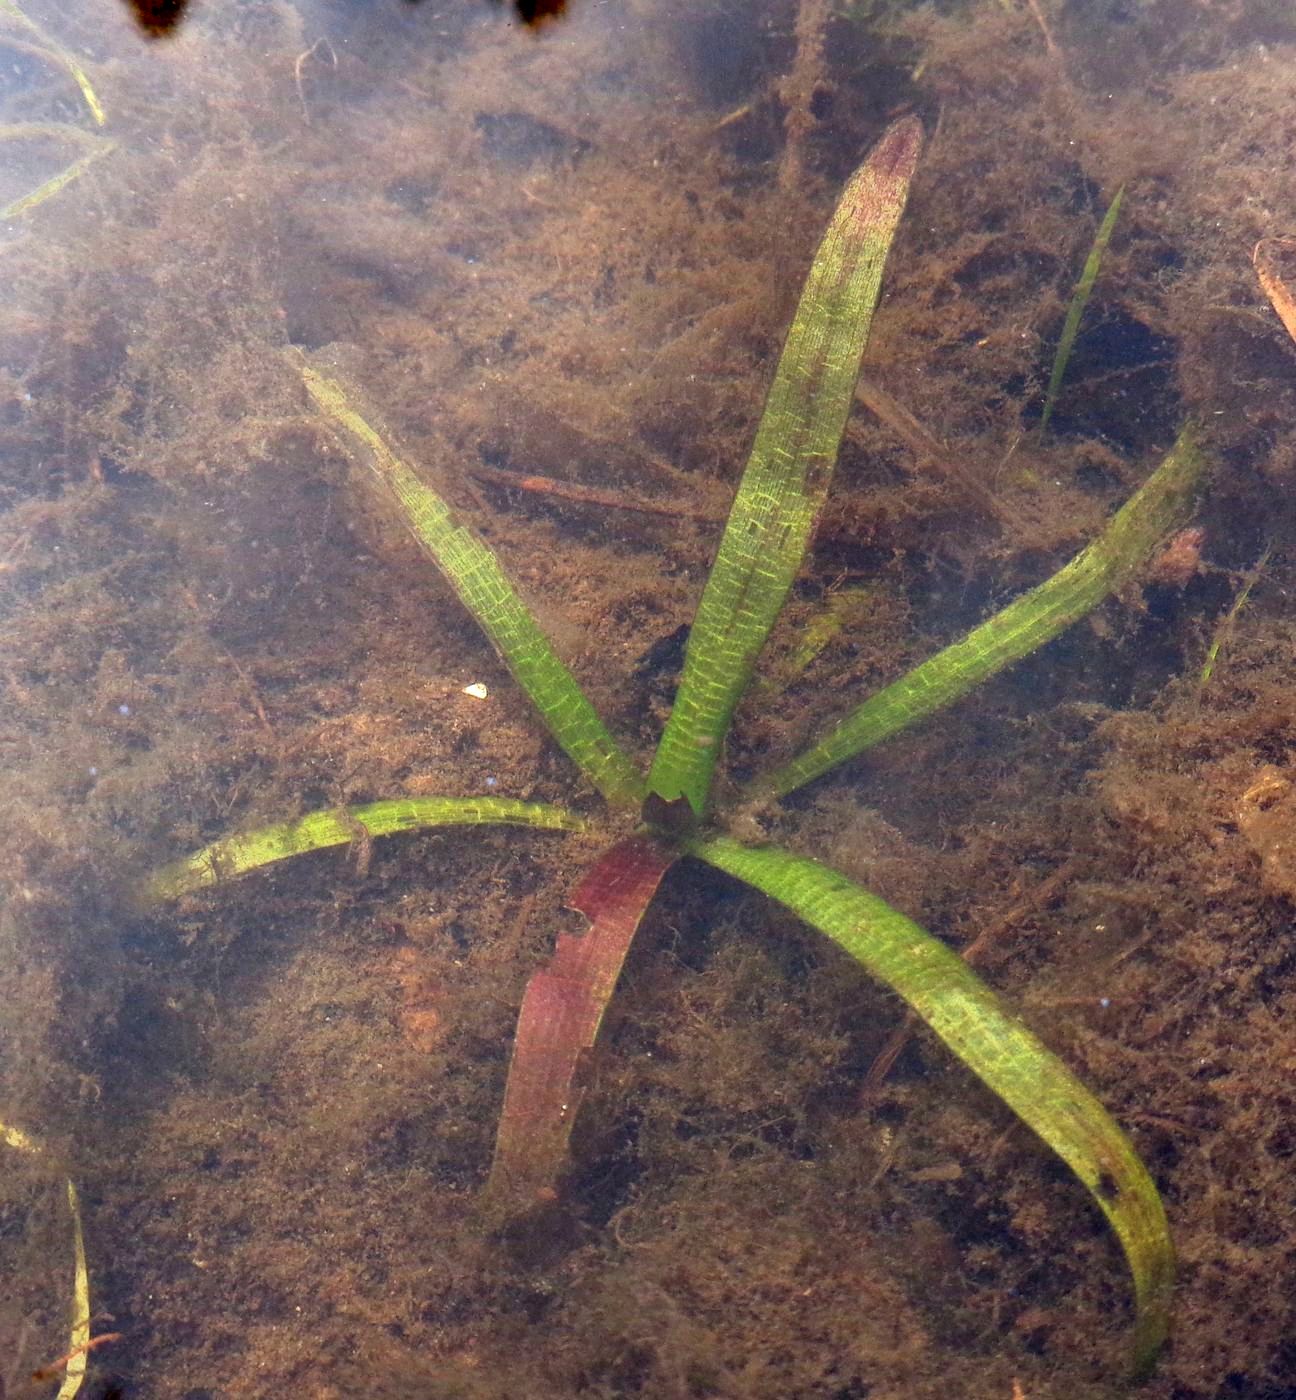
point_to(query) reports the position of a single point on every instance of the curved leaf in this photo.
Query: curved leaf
(236, 855)
(73, 1364)
(994, 1044)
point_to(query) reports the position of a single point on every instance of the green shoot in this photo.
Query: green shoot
(1225, 629)
(1079, 301)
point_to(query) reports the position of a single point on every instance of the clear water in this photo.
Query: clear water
(555, 263)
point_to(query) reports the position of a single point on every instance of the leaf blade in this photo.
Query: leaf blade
(242, 852)
(1079, 300)
(558, 1023)
(1016, 630)
(786, 478)
(944, 991)
(475, 574)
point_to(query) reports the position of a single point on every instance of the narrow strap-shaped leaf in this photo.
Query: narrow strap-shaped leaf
(63, 55)
(1079, 300)
(559, 1021)
(74, 1361)
(236, 855)
(1025, 624)
(994, 1044)
(474, 573)
(75, 1370)
(791, 463)
(98, 146)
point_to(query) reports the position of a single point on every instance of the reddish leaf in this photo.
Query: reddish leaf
(560, 1018)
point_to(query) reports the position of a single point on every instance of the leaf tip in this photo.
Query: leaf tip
(895, 157)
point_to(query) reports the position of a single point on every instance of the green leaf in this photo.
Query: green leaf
(791, 463)
(1026, 623)
(1079, 301)
(994, 1044)
(474, 573)
(236, 855)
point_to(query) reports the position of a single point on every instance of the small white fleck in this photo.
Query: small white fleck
(123, 709)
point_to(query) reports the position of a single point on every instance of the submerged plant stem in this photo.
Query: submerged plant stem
(58, 181)
(56, 50)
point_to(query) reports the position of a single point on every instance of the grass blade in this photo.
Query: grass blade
(62, 55)
(75, 1370)
(57, 182)
(232, 856)
(474, 573)
(1025, 624)
(559, 1022)
(994, 1044)
(788, 472)
(73, 1364)
(1080, 299)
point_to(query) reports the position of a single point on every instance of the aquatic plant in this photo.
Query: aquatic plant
(668, 815)
(1079, 300)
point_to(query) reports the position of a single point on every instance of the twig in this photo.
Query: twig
(1049, 42)
(797, 89)
(1275, 288)
(931, 452)
(51, 1372)
(594, 496)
